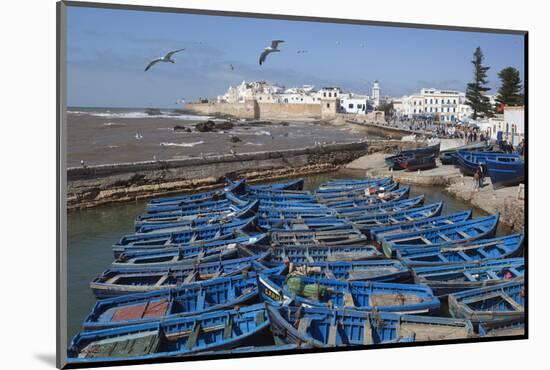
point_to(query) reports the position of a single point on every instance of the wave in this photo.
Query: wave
(131, 115)
(262, 132)
(114, 124)
(186, 145)
(254, 144)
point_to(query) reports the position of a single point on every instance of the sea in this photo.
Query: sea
(121, 135)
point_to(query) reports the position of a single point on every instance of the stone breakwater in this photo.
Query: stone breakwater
(103, 184)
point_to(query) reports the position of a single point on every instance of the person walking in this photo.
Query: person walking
(477, 176)
(481, 169)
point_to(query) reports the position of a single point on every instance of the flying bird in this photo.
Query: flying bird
(301, 51)
(270, 49)
(139, 136)
(231, 66)
(167, 59)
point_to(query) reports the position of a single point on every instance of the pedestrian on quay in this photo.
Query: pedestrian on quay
(475, 135)
(477, 176)
(481, 175)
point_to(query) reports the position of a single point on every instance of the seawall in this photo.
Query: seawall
(103, 184)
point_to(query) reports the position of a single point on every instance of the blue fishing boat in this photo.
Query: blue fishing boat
(196, 197)
(503, 173)
(201, 221)
(120, 281)
(365, 223)
(207, 209)
(357, 295)
(284, 197)
(461, 232)
(288, 213)
(174, 337)
(218, 251)
(449, 156)
(187, 299)
(371, 193)
(318, 224)
(321, 327)
(394, 161)
(312, 237)
(418, 163)
(388, 207)
(337, 188)
(468, 162)
(498, 302)
(458, 277)
(195, 248)
(475, 251)
(204, 233)
(378, 233)
(272, 202)
(302, 254)
(375, 270)
(358, 200)
(296, 184)
(502, 328)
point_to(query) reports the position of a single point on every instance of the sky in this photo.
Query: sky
(109, 49)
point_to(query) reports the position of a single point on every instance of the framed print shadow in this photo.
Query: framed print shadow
(235, 184)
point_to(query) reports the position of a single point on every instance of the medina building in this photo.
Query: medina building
(442, 105)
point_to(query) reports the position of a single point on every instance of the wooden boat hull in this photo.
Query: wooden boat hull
(357, 295)
(502, 328)
(302, 254)
(175, 337)
(505, 174)
(366, 223)
(461, 232)
(374, 270)
(325, 238)
(459, 277)
(115, 281)
(499, 302)
(377, 234)
(388, 207)
(476, 251)
(321, 328)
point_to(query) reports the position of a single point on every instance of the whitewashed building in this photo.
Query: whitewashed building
(299, 95)
(514, 124)
(353, 104)
(444, 105)
(259, 90)
(507, 126)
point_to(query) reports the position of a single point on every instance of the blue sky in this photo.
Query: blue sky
(109, 49)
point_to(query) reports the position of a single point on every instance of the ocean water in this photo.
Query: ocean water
(92, 232)
(120, 135)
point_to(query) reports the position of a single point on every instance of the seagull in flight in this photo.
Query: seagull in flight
(301, 51)
(270, 49)
(231, 66)
(167, 59)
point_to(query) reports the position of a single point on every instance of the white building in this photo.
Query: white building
(299, 95)
(353, 104)
(259, 90)
(507, 126)
(443, 105)
(329, 92)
